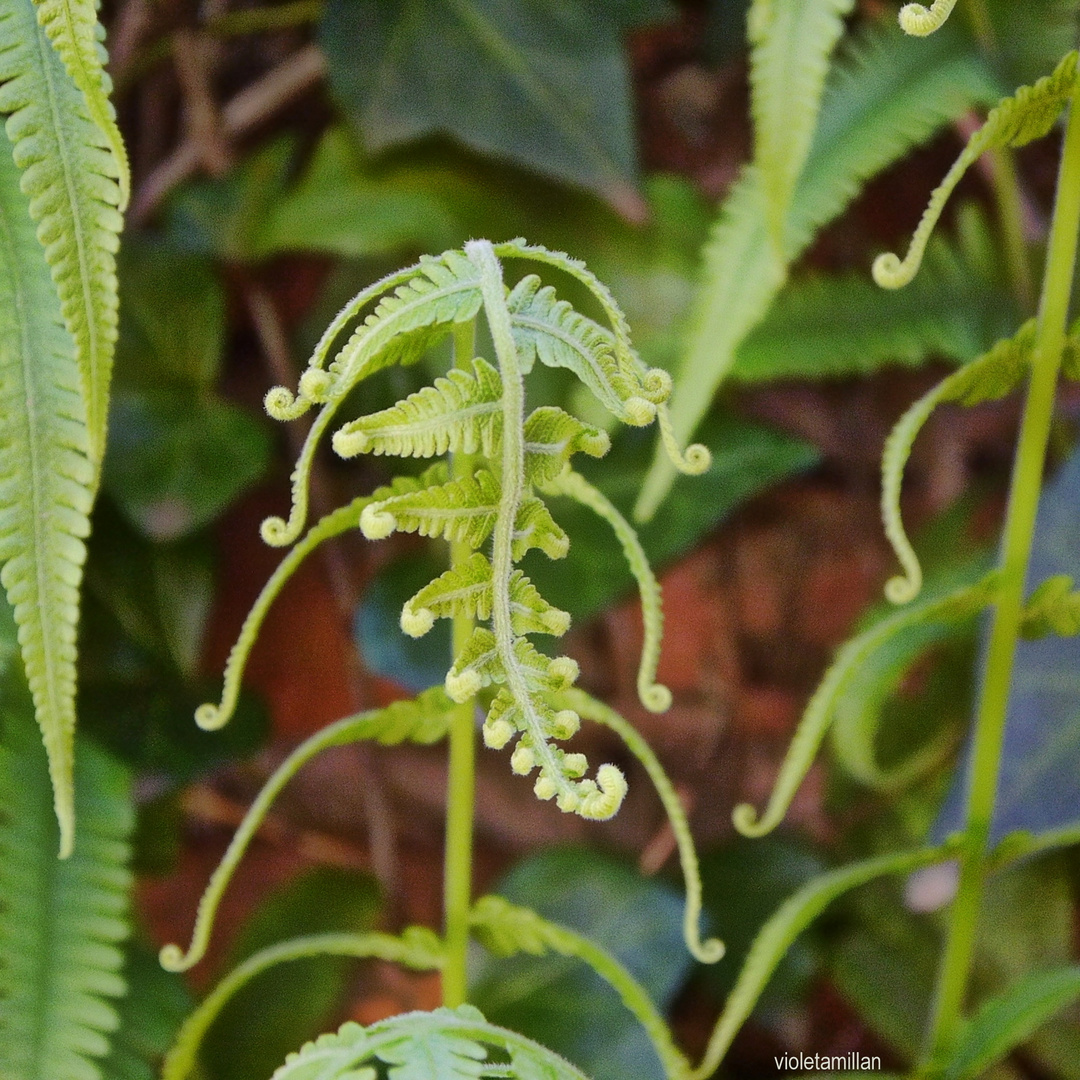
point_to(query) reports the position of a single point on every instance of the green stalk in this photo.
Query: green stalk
(461, 782)
(1010, 214)
(1016, 551)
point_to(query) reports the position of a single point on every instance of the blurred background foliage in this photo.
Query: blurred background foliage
(287, 154)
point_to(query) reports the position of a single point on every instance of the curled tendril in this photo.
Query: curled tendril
(712, 949)
(695, 460)
(918, 20)
(654, 696)
(209, 716)
(316, 385)
(282, 404)
(656, 385)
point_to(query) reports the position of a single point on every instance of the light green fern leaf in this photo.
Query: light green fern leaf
(466, 589)
(73, 28)
(534, 527)
(478, 665)
(61, 923)
(919, 20)
(460, 414)
(963, 603)
(461, 511)
(1053, 608)
(552, 437)
(506, 929)
(789, 60)
(407, 322)
(447, 1044)
(70, 176)
(887, 94)
(992, 376)
(786, 924)
(45, 483)
(1028, 115)
(549, 329)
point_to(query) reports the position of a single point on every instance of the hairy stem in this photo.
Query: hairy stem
(457, 886)
(1016, 550)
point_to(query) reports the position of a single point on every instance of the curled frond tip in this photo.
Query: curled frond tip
(918, 20)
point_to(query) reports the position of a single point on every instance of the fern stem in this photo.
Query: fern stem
(461, 781)
(1024, 494)
(1010, 211)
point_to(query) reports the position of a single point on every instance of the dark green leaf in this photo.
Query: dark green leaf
(285, 1005)
(543, 84)
(414, 663)
(177, 459)
(634, 918)
(742, 882)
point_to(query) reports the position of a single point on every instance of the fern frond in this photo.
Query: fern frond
(789, 60)
(654, 696)
(886, 95)
(73, 28)
(784, 926)
(837, 326)
(46, 482)
(461, 511)
(70, 177)
(535, 528)
(992, 376)
(963, 603)
(550, 330)
(505, 929)
(919, 21)
(447, 1044)
(1028, 115)
(552, 437)
(1053, 608)
(61, 923)
(588, 708)
(418, 948)
(422, 720)
(460, 414)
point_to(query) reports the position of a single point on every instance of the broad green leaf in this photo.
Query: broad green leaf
(72, 26)
(789, 61)
(887, 94)
(177, 459)
(281, 1008)
(150, 1014)
(1015, 121)
(45, 482)
(1010, 1020)
(545, 85)
(69, 175)
(635, 919)
(447, 1044)
(62, 923)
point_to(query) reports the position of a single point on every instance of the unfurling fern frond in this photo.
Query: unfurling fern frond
(422, 720)
(46, 482)
(70, 175)
(447, 1044)
(460, 414)
(552, 437)
(73, 28)
(992, 376)
(1015, 121)
(918, 20)
(61, 923)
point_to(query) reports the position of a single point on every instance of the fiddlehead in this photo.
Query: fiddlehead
(919, 21)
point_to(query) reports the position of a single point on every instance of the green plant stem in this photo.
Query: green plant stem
(461, 782)
(1010, 212)
(1016, 550)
